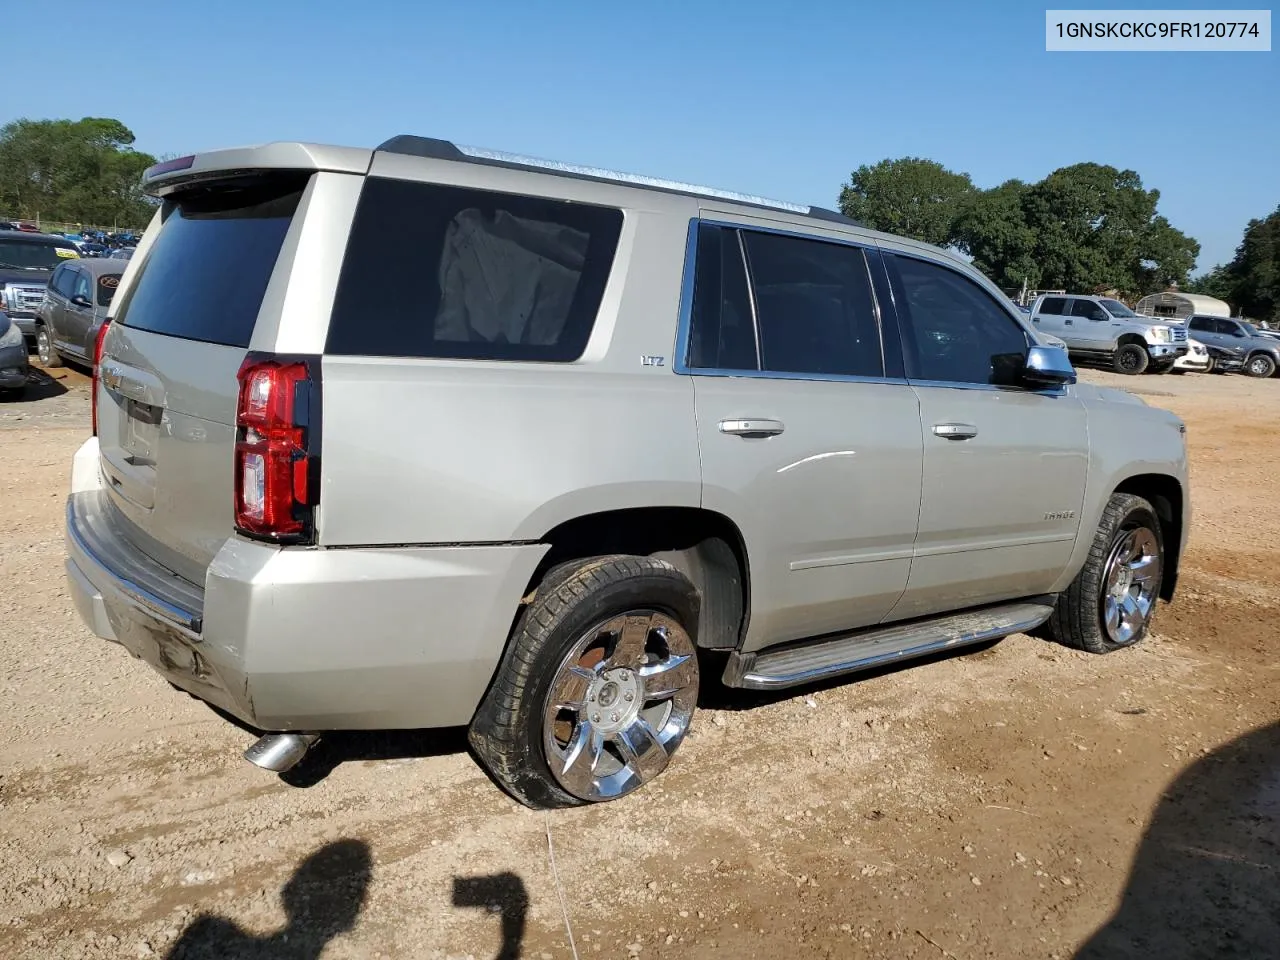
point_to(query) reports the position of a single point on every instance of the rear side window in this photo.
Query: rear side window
(1054, 306)
(814, 306)
(205, 275)
(722, 336)
(439, 271)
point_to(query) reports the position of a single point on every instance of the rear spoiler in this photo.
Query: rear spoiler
(164, 177)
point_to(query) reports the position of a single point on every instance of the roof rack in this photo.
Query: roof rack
(434, 149)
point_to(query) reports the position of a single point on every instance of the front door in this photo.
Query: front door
(803, 439)
(76, 317)
(1004, 467)
(1091, 326)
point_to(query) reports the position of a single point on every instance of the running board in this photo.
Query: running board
(877, 646)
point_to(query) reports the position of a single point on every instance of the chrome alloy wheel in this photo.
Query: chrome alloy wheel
(44, 346)
(620, 704)
(1131, 580)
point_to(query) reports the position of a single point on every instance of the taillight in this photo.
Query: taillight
(97, 363)
(277, 448)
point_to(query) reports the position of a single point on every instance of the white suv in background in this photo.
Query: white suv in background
(1104, 329)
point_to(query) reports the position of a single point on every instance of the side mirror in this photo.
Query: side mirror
(1047, 367)
(81, 301)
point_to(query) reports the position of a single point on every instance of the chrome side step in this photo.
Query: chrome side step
(877, 646)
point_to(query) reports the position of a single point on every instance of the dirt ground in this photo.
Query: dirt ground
(1019, 801)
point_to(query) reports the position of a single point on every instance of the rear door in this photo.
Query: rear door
(60, 285)
(168, 389)
(805, 441)
(1049, 316)
(1004, 467)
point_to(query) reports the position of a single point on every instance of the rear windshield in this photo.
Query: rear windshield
(436, 271)
(205, 276)
(107, 284)
(35, 255)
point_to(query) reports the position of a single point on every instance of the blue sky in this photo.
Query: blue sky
(780, 99)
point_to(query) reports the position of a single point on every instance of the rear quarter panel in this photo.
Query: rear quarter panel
(420, 451)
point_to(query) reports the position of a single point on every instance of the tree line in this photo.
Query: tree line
(1087, 227)
(76, 171)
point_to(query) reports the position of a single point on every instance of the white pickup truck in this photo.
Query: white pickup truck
(1103, 329)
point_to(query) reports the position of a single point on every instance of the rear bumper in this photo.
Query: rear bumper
(303, 639)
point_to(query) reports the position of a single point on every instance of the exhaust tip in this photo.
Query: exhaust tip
(279, 752)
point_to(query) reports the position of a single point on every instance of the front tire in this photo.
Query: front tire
(1110, 603)
(1260, 365)
(1131, 359)
(49, 356)
(597, 687)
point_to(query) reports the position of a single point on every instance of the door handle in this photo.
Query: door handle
(955, 431)
(1067, 323)
(752, 428)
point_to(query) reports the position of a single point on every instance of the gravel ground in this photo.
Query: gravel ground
(1022, 800)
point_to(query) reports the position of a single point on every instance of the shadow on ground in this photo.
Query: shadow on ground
(322, 899)
(1206, 880)
(42, 385)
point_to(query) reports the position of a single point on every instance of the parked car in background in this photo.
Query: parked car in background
(1237, 345)
(26, 261)
(1105, 330)
(13, 359)
(74, 309)
(1196, 359)
(657, 440)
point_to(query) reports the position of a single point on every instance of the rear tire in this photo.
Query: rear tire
(597, 686)
(1110, 603)
(1260, 365)
(49, 356)
(1130, 359)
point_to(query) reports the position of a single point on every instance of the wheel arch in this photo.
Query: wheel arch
(1166, 495)
(705, 546)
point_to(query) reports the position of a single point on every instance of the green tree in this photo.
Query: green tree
(910, 196)
(1256, 269)
(1082, 228)
(73, 170)
(992, 228)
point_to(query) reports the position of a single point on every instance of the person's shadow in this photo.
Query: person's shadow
(322, 899)
(1206, 880)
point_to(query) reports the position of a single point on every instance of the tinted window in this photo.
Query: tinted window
(486, 276)
(721, 333)
(813, 306)
(1087, 309)
(205, 276)
(1053, 305)
(62, 280)
(81, 286)
(1198, 324)
(107, 284)
(955, 329)
(35, 254)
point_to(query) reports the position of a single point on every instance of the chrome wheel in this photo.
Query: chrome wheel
(1132, 577)
(44, 349)
(1260, 366)
(620, 704)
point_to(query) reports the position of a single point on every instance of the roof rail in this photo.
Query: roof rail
(434, 149)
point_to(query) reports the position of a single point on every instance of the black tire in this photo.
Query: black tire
(1130, 359)
(1077, 619)
(1260, 365)
(49, 356)
(506, 733)
(1162, 368)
